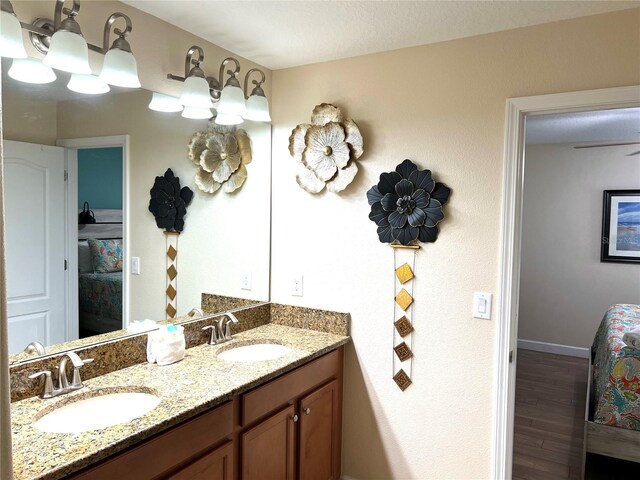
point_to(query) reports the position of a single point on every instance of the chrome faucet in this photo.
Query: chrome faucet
(220, 330)
(63, 381)
(35, 347)
(196, 311)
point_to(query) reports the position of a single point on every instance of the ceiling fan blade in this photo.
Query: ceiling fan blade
(632, 154)
(606, 145)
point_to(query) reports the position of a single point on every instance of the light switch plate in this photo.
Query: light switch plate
(135, 265)
(245, 280)
(482, 305)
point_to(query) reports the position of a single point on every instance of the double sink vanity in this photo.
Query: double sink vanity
(264, 404)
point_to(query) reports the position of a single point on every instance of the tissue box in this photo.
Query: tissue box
(166, 345)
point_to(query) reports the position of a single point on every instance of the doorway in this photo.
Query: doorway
(98, 183)
(511, 242)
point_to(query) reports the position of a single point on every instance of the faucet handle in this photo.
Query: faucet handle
(48, 383)
(76, 382)
(215, 334)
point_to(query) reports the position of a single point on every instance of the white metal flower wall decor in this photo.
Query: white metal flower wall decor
(220, 154)
(327, 150)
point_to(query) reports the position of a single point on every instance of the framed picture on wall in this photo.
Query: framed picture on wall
(621, 226)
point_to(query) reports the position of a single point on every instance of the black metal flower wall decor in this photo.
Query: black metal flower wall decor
(406, 205)
(169, 202)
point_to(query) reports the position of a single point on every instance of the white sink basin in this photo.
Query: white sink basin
(100, 411)
(257, 352)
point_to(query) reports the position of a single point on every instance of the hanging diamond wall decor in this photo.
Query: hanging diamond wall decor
(406, 205)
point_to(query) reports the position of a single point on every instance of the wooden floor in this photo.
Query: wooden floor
(549, 416)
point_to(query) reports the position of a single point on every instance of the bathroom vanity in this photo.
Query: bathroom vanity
(216, 419)
(290, 424)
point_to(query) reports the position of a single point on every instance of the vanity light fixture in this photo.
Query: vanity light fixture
(257, 103)
(65, 49)
(88, 84)
(197, 113)
(195, 92)
(228, 119)
(31, 70)
(232, 101)
(119, 68)
(68, 50)
(165, 103)
(11, 45)
(233, 104)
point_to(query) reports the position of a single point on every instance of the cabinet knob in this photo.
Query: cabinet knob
(294, 418)
(307, 411)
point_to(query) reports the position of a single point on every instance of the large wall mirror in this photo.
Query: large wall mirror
(62, 149)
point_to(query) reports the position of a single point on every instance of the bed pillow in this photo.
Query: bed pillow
(85, 264)
(106, 255)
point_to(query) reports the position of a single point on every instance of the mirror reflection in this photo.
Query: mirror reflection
(84, 253)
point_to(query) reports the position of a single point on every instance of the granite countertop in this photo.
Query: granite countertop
(197, 383)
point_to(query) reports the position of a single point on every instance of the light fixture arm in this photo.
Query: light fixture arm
(189, 60)
(258, 83)
(232, 73)
(121, 41)
(60, 9)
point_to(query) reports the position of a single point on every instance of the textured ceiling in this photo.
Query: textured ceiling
(281, 34)
(597, 126)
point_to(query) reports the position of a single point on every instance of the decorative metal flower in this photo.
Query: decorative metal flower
(327, 150)
(220, 154)
(169, 202)
(407, 205)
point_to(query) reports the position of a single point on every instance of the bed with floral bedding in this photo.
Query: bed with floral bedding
(612, 417)
(100, 287)
(100, 301)
(616, 370)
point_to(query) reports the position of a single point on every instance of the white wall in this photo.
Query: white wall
(442, 106)
(564, 288)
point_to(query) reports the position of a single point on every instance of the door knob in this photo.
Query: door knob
(294, 418)
(307, 411)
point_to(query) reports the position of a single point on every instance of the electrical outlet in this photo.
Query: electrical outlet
(135, 265)
(297, 286)
(245, 280)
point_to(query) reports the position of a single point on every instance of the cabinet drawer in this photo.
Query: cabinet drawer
(166, 451)
(279, 392)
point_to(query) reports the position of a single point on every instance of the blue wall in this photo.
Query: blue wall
(100, 177)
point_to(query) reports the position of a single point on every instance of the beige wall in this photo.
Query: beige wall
(442, 106)
(564, 288)
(29, 120)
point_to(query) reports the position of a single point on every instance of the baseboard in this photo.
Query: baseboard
(568, 350)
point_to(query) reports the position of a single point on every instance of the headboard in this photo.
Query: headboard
(108, 225)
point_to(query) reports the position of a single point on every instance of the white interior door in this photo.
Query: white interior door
(34, 190)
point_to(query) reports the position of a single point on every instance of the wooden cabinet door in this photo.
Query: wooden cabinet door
(268, 449)
(320, 418)
(215, 465)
